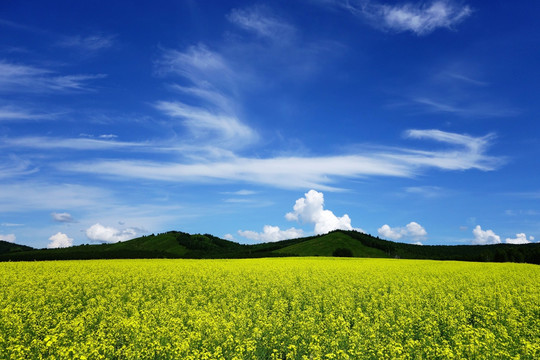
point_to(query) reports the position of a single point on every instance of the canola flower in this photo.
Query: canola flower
(290, 308)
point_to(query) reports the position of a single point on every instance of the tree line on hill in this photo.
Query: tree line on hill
(176, 244)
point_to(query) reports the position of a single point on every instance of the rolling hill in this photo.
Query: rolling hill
(175, 244)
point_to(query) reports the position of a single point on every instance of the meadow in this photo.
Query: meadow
(282, 308)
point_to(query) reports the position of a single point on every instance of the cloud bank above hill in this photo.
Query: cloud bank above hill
(307, 210)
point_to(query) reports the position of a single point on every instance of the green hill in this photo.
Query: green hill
(175, 244)
(327, 244)
(7, 247)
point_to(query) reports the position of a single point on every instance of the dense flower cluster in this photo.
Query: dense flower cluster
(292, 308)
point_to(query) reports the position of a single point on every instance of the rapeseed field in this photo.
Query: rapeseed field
(289, 308)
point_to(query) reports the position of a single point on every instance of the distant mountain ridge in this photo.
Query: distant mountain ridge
(176, 244)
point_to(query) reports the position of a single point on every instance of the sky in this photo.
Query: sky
(259, 121)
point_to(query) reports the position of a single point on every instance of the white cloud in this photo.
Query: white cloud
(31, 79)
(259, 20)
(98, 232)
(411, 230)
(13, 166)
(426, 191)
(8, 237)
(485, 237)
(415, 230)
(520, 238)
(271, 234)
(201, 122)
(310, 209)
(90, 43)
(24, 196)
(62, 217)
(10, 113)
(421, 18)
(229, 237)
(214, 86)
(466, 152)
(389, 233)
(484, 110)
(198, 64)
(59, 240)
(242, 192)
(53, 143)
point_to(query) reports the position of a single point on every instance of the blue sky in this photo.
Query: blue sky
(259, 121)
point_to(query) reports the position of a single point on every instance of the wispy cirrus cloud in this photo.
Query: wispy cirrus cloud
(262, 22)
(58, 143)
(90, 43)
(420, 18)
(31, 79)
(17, 114)
(203, 67)
(204, 123)
(466, 152)
(12, 166)
(465, 109)
(31, 195)
(212, 88)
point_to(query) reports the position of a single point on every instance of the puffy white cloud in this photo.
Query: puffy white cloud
(411, 230)
(485, 237)
(272, 233)
(415, 230)
(520, 238)
(62, 217)
(310, 209)
(229, 237)
(98, 232)
(8, 237)
(59, 240)
(387, 232)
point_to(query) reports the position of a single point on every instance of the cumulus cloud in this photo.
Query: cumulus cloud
(229, 237)
(8, 237)
(62, 217)
(411, 230)
(107, 234)
(310, 209)
(485, 237)
(272, 233)
(59, 240)
(520, 238)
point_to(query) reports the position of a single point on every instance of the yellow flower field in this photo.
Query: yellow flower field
(289, 308)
